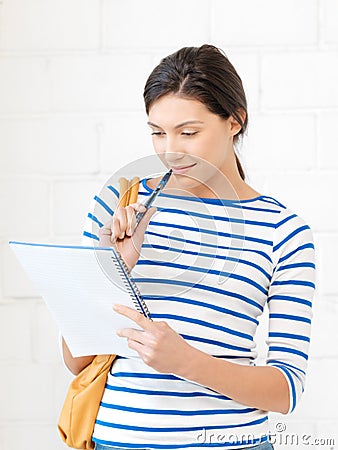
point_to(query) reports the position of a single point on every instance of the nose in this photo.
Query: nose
(173, 151)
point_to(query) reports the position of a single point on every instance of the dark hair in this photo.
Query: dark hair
(203, 73)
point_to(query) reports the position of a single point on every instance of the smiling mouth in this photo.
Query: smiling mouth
(182, 169)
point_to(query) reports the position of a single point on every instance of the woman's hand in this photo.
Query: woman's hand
(159, 346)
(120, 231)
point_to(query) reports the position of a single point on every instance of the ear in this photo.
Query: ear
(235, 126)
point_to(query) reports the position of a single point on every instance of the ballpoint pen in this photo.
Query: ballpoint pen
(153, 195)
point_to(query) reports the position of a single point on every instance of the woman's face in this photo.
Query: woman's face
(194, 142)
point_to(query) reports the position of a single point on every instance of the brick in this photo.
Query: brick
(45, 24)
(308, 194)
(247, 65)
(44, 436)
(327, 433)
(73, 145)
(329, 13)
(25, 207)
(276, 137)
(27, 390)
(299, 79)
(50, 145)
(15, 332)
(179, 25)
(125, 138)
(327, 247)
(100, 82)
(45, 335)
(324, 327)
(70, 205)
(263, 22)
(24, 85)
(320, 386)
(26, 145)
(327, 155)
(15, 282)
(63, 378)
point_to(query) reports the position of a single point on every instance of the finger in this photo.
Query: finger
(132, 333)
(146, 219)
(119, 223)
(134, 315)
(131, 219)
(105, 234)
(131, 216)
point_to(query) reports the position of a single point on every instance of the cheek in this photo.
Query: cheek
(160, 152)
(158, 145)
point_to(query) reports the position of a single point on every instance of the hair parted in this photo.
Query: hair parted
(205, 74)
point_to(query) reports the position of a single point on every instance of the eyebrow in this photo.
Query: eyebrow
(188, 122)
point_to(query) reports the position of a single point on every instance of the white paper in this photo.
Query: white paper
(80, 285)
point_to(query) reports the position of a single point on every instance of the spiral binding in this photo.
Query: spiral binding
(129, 283)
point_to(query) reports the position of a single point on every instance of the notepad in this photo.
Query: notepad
(80, 285)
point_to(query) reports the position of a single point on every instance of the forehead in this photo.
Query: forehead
(174, 108)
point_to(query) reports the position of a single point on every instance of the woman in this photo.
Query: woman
(196, 382)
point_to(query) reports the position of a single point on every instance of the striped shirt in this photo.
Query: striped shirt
(208, 267)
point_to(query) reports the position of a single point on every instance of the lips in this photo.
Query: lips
(182, 169)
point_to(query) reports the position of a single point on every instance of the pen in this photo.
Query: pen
(153, 195)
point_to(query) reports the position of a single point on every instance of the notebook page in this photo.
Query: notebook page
(80, 285)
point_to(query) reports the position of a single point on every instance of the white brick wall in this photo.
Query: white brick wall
(71, 114)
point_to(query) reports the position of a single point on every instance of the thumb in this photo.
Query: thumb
(146, 219)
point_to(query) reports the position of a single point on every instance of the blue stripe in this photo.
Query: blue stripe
(177, 429)
(292, 371)
(294, 282)
(201, 304)
(157, 376)
(301, 247)
(293, 389)
(290, 299)
(199, 286)
(73, 247)
(267, 199)
(95, 219)
(216, 343)
(203, 244)
(104, 205)
(289, 317)
(290, 236)
(111, 188)
(292, 266)
(289, 335)
(209, 255)
(203, 270)
(285, 220)
(123, 445)
(213, 232)
(165, 393)
(214, 217)
(285, 364)
(275, 348)
(90, 235)
(177, 412)
(203, 323)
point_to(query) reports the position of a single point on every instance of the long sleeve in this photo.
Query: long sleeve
(290, 301)
(101, 209)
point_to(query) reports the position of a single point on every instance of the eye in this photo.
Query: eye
(189, 133)
(157, 133)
